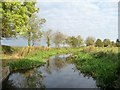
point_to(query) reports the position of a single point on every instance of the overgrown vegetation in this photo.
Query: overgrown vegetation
(101, 64)
(30, 57)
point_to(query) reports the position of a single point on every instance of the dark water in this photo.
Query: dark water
(58, 72)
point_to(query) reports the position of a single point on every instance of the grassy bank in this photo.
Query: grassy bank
(31, 57)
(100, 63)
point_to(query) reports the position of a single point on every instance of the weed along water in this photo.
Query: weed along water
(58, 72)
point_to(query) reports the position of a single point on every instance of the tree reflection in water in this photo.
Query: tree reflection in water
(28, 79)
(48, 67)
(58, 72)
(34, 79)
(56, 63)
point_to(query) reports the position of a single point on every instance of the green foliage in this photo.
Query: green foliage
(48, 35)
(102, 65)
(25, 64)
(58, 38)
(99, 43)
(113, 44)
(34, 25)
(80, 40)
(15, 17)
(106, 42)
(35, 59)
(68, 41)
(118, 43)
(7, 49)
(89, 41)
(48, 41)
(72, 41)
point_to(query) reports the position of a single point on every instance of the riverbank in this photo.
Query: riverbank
(58, 72)
(31, 57)
(102, 64)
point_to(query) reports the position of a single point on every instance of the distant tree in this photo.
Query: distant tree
(58, 38)
(68, 41)
(98, 43)
(48, 35)
(113, 44)
(90, 41)
(106, 42)
(63, 39)
(72, 41)
(118, 43)
(80, 40)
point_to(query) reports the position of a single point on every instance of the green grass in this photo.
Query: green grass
(38, 58)
(102, 64)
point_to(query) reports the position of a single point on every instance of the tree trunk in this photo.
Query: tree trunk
(48, 41)
(28, 42)
(29, 39)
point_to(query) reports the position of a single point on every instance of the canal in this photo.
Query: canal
(58, 72)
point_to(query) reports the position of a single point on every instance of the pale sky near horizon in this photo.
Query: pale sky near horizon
(97, 18)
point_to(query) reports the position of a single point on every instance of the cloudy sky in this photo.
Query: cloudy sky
(97, 18)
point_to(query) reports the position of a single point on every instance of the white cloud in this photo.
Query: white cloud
(75, 0)
(85, 17)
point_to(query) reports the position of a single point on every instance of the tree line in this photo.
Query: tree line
(21, 19)
(60, 39)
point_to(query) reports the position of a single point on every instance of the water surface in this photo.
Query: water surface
(58, 72)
